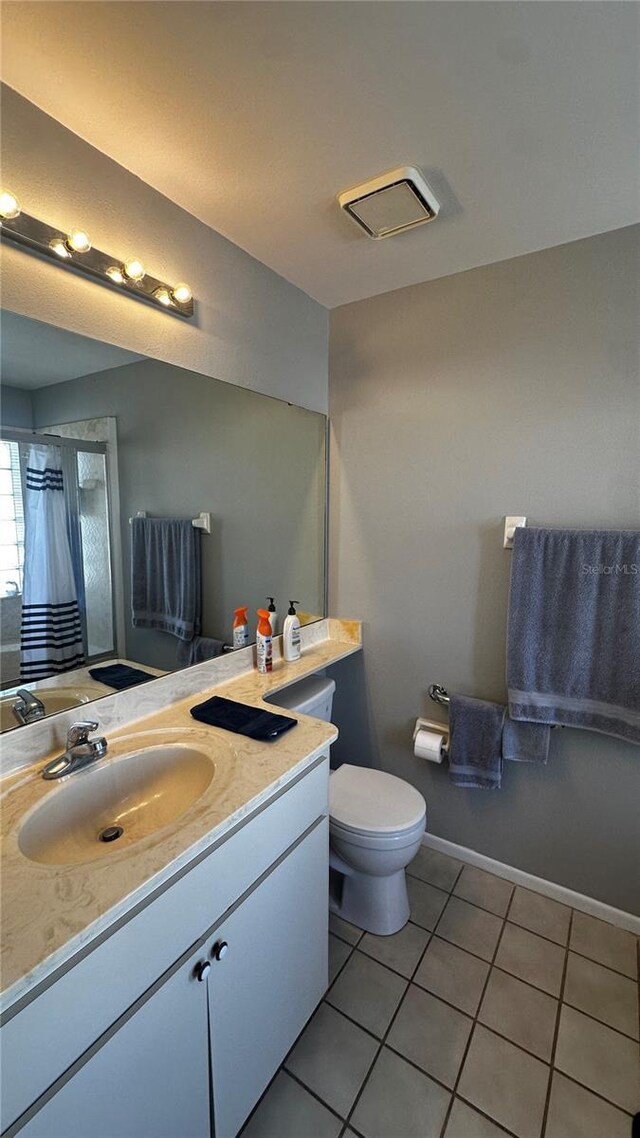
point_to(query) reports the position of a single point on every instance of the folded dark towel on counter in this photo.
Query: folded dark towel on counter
(241, 719)
(120, 676)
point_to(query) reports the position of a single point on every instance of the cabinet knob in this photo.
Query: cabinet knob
(219, 949)
(202, 970)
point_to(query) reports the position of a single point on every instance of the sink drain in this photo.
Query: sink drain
(111, 833)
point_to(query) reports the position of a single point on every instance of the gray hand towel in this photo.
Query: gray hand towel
(198, 650)
(573, 642)
(165, 576)
(475, 747)
(525, 742)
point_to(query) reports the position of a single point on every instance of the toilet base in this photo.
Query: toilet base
(379, 905)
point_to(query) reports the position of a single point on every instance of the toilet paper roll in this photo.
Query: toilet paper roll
(429, 745)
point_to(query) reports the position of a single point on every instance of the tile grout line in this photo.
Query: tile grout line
(602, 1022)
(380, 1043)
(505, 920)
(314, 1094)
(493, 1031)
(400, 1003)
(596, 1094)
(592, 960)
(552, 1058)
(475, 1017)
(431, 933)
(332, 979)
(455, 1007)
(534, 932)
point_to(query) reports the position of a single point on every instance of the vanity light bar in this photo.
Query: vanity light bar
(73, 250)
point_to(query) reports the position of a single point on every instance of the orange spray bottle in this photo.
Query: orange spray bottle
(241, 628)
(264, 656)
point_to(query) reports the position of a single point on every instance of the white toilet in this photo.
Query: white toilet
(376, 823)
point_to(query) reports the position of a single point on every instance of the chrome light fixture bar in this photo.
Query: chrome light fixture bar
(73, 250)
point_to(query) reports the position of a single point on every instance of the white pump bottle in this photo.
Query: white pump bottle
(291, 634)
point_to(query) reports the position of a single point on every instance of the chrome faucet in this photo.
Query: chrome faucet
(80, 752)
(27, 707)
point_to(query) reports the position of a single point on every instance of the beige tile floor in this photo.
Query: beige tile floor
(494, 1012)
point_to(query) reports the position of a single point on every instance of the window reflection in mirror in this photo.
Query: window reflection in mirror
(112, 435)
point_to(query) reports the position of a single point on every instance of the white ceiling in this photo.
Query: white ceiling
(524, 116)
(36, 355)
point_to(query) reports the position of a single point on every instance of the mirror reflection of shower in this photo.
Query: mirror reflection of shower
(56, 588)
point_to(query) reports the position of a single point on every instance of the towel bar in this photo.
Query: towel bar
(439, 695)
(202, 522)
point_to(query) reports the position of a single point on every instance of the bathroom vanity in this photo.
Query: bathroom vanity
(156, 989)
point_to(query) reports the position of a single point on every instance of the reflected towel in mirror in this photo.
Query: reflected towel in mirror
(165, 576)
(198, 650)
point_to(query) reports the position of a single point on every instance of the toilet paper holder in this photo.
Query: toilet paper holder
(432, 725)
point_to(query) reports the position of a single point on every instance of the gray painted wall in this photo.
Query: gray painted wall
(511, 389)
(187, 443)
(16, 409)
(251, 327)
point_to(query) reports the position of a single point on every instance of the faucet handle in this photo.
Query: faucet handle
(78, 733)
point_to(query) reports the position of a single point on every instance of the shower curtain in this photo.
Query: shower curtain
(51, 636)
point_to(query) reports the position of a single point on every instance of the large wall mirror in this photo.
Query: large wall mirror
(92, 438)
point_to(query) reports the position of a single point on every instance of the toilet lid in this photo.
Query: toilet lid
(374, 801)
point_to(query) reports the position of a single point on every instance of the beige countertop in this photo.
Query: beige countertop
(49, 912)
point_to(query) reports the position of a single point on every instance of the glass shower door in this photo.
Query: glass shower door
(93, 516)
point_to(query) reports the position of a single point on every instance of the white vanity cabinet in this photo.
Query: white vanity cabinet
(151, 1077)
(191, 1054)
(270, 978)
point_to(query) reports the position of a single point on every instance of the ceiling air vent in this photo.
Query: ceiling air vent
(391, 203)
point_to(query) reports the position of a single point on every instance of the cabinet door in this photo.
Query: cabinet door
(270, 978)
(151, 1079)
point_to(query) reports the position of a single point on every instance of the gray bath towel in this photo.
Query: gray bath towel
(573, 643)
(475, 747)
(198, 650)
(525, 742)
(165, 576)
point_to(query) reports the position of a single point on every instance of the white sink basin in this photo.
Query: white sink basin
(145, 783)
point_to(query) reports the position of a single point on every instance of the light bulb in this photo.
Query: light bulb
(58, 246)
(134, 269)
(163, 296)
(9, 205)
(182, 293)
(115, 274)
(78, 241)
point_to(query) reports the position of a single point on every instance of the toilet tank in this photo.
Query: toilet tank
(311, 696)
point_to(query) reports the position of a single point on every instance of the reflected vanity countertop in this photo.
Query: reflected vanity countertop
(81, 678)
(51, 911)
(68, 690)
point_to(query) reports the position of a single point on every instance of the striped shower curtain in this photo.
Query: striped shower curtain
(51, 635)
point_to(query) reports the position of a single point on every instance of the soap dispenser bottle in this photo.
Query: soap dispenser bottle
(240, 628)
(264, 650)
(273, 616)
(291, 633)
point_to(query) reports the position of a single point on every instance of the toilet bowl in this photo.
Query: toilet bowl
(376, 824)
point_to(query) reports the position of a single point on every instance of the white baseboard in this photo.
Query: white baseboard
(538, 884)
